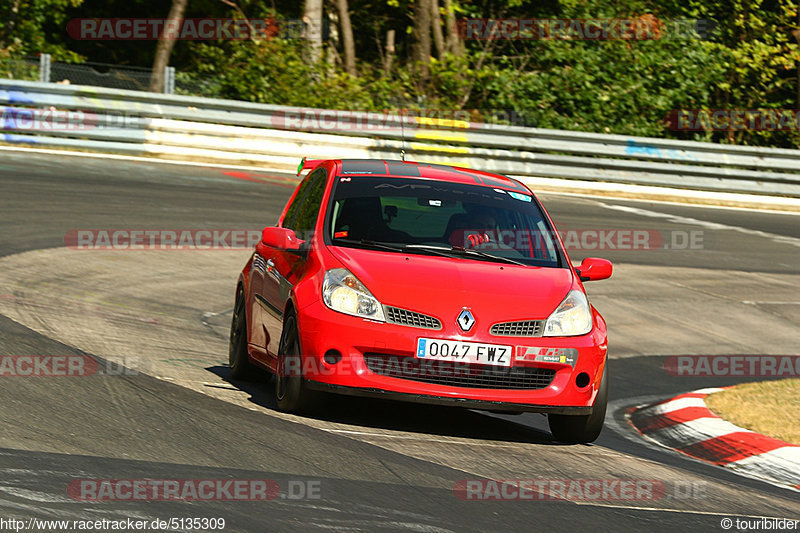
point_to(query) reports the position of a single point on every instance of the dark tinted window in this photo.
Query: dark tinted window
(407, 211)
(363, 167)
(302, 213)
(402, 169)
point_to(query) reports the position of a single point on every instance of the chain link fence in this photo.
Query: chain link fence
(100, 75)
(89, 73)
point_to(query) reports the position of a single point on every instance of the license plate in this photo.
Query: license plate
(464, 352)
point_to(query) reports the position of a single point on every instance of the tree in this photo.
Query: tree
(348, 44)
(453, 44)
(312, 18)
(436, 26)
(796, 34)
(421, 50)
(166, 41)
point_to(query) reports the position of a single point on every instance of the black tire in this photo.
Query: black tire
(238, 360)
(291, 393)
(582, 429)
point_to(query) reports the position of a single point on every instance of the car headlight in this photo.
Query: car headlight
(572, 317)
(343, 292)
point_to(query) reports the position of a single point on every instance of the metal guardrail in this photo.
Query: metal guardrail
(226, 131)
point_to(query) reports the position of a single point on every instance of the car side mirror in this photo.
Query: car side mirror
(281, 238)
(594, 269)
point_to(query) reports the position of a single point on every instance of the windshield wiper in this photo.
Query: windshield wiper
(374, 244)
(460, 250)
(436, 250)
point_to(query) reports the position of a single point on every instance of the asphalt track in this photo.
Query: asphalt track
(378, 465)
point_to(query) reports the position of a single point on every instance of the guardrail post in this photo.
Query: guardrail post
(169, 80)
(44, 68)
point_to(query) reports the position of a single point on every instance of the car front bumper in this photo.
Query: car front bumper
(325, 331)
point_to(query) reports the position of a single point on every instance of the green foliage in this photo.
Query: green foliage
(277, 72)
(609, 86)
(760, 57)
(36, 26)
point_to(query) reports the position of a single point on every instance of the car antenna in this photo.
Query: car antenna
(403, 137)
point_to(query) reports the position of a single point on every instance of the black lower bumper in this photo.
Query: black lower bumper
(447, 401)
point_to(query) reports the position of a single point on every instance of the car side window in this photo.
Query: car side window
(291, 211)
(302, 213)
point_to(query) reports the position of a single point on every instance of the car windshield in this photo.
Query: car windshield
(440, 218)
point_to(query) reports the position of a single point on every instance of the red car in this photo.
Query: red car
(423, 283)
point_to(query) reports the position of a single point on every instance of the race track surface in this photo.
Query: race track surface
(166, 408)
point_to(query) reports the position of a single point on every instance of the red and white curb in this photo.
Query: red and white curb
(684, 423)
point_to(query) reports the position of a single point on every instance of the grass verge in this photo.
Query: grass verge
(767, 407)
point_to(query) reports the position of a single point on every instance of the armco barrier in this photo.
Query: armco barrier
(234, 132)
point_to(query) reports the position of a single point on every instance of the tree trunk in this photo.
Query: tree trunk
(436, 26)
(389, 59)
(348, 44)
(312, 17)
(797, 37)
(421, 50)
(453, 44)
(165, 44)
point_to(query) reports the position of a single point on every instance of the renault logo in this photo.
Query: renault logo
(466, 320)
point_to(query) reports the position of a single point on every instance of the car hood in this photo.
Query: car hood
(442, 286)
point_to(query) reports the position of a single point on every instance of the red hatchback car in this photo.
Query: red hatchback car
(423, 283)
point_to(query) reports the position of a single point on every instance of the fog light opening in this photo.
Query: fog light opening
(332, 357)
(582, 380)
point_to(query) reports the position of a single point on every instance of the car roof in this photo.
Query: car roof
(412, 169)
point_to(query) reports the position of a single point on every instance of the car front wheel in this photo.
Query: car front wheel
(291, 393)
(583, 428)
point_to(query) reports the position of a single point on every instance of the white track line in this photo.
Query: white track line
(669, 202)
(781, 239)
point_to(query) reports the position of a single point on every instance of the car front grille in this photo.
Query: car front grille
(459, 374)
(522, 328)
(259, 263)
(403, 317)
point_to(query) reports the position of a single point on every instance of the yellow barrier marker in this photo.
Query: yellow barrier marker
(450, 149)
(442, 122)
(441, 136)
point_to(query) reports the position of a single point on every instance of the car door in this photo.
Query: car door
(265, 318)
(283, 268)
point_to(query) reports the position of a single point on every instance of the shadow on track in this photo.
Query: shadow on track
(399, 416)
